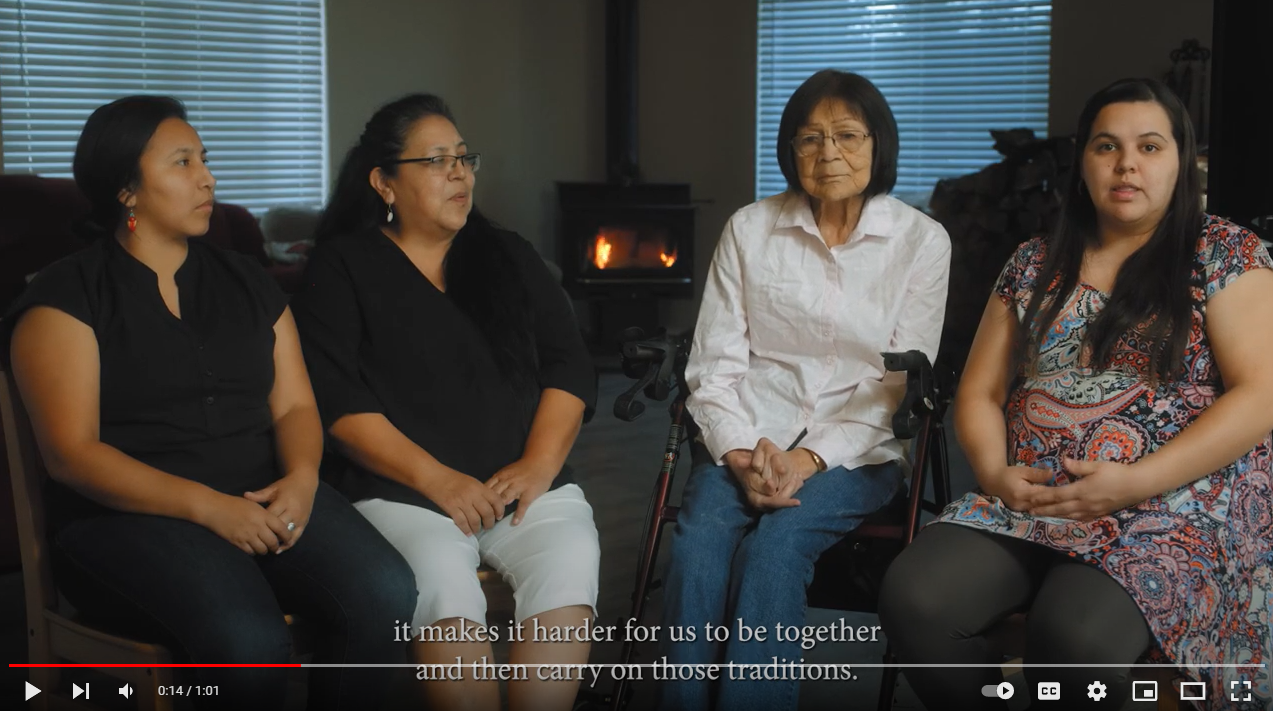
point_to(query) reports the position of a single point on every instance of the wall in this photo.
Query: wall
(1095, 42)
(523, 78)
(698, 114)
(698, 87)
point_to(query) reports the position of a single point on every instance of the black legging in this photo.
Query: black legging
(955, 582)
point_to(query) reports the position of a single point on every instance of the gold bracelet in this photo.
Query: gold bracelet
(817, 461)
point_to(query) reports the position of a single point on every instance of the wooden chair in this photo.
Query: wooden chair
(53, 635)
(500, 604)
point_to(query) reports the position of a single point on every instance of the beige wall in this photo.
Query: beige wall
(522, 76)
(526, 82)
(697, 113)
(1095, 42)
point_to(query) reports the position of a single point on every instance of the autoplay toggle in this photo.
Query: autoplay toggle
(1003, 690)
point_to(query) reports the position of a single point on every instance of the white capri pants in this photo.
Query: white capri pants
(551, 559)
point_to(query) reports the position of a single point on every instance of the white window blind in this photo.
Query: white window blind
(950, 70)
(250, 74)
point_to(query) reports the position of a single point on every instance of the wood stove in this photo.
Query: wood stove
(624, 244)
(634, 241)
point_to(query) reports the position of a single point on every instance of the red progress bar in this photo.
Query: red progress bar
(152, 666)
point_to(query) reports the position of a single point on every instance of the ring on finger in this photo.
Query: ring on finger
(291, 526)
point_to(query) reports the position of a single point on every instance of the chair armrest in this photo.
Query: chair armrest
(921, 399)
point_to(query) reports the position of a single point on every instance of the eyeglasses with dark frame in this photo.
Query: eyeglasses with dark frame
(811, 143)
(444, 164)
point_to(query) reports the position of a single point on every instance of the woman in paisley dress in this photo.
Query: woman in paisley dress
(1121, 443)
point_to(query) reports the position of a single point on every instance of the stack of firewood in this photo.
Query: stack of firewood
(988, 214)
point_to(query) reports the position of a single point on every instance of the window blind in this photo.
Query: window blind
(950, 70)
(250, 73)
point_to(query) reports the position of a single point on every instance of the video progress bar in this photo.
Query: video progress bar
(167, 666)
(473, 665)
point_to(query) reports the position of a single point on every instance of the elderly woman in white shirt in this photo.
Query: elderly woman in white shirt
(806, 289)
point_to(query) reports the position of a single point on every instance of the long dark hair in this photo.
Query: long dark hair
(1151, 295)
(482, 278)
(108, 156)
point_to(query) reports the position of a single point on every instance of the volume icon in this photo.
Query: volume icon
(126, 691)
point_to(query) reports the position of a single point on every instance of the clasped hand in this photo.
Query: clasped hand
(769, 476)
(1101, 489)
(522, 481)
(257, 522)
(475, 506)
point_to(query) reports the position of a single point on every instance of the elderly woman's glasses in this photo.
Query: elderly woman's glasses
(444, 164)
(811, 143)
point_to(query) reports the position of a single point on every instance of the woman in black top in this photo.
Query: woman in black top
(451, 376)
(166, 387)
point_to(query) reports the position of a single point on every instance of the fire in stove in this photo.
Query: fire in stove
(626, 241)
(629, 248)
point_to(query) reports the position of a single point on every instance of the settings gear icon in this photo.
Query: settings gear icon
(1096, 691)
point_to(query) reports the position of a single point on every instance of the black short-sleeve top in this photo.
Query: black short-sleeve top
(189, 395)
(379, 337)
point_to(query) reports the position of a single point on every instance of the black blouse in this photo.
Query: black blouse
(379, 337)
(188, 396)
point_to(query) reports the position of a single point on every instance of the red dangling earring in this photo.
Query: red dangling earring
(132, 221)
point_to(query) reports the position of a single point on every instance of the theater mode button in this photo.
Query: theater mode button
(1002, 691)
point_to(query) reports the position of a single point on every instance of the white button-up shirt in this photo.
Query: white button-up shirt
(790, 331)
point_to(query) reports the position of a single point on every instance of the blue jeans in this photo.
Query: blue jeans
(730, 563)
(175, 582)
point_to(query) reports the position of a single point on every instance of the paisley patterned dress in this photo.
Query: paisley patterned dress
(1198, 560)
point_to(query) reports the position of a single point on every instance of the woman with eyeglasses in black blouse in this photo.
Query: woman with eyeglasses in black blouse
(453, 380)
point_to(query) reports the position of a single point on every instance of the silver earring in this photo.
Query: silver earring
(389, 217)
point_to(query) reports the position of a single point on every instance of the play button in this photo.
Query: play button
(32, 690)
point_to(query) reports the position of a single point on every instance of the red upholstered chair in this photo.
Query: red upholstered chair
(38, 215)
(233, 227)
(36, 219)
